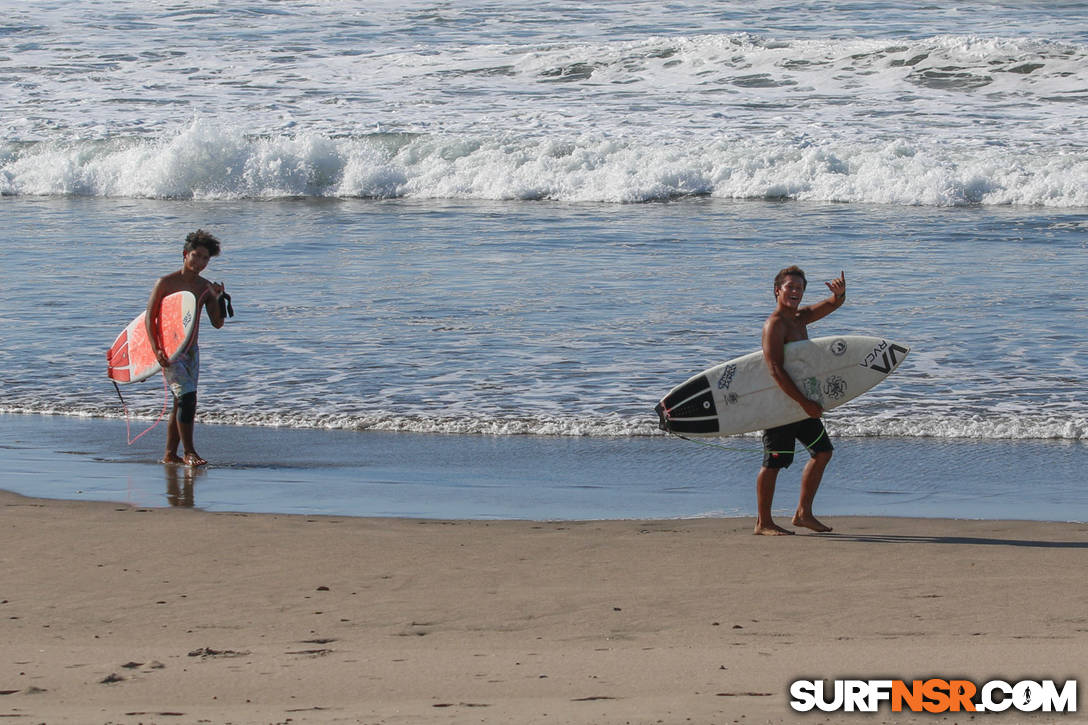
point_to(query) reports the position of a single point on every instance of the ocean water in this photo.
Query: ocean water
(524, 222)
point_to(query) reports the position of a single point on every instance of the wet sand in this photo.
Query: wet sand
(438, 476)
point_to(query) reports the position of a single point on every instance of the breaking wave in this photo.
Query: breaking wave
(205, 161)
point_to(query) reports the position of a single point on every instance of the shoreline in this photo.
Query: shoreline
(472, 477)
(126, 614)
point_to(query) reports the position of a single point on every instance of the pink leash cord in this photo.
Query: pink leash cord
(162, 413)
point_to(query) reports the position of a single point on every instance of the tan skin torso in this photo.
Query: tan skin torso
(186, 279)
(789, 323)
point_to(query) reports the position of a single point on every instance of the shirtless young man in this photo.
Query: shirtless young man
(181, 374)
(788, 323)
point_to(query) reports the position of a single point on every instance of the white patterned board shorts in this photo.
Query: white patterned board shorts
(182, 374)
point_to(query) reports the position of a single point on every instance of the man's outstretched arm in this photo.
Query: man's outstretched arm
(825, 307)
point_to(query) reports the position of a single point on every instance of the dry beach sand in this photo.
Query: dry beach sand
(116, 614)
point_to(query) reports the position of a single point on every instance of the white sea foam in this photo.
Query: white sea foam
(108, 80)
(206, 161)
(516, 101)
(842, 425)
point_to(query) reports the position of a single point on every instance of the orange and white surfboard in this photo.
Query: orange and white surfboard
(131, 358)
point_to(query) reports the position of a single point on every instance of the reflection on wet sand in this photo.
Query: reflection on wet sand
(179, 484)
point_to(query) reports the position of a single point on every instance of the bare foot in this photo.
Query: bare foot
(171, 458)
(192, 460)
(811, 522)
(771, 529)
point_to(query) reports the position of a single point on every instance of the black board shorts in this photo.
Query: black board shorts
(778, 443)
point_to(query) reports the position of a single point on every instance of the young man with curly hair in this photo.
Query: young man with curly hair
(181, 374)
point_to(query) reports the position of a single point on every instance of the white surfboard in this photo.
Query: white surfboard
(739, 396)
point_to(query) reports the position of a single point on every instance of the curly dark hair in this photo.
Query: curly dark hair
(201, 238)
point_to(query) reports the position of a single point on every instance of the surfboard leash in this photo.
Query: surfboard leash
(124, 407)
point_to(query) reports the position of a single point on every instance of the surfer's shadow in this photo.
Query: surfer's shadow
(956, 540)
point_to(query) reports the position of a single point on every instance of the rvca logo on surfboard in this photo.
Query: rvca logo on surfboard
(884, 357)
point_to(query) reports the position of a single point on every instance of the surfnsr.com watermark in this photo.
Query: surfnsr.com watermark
(933, 695)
